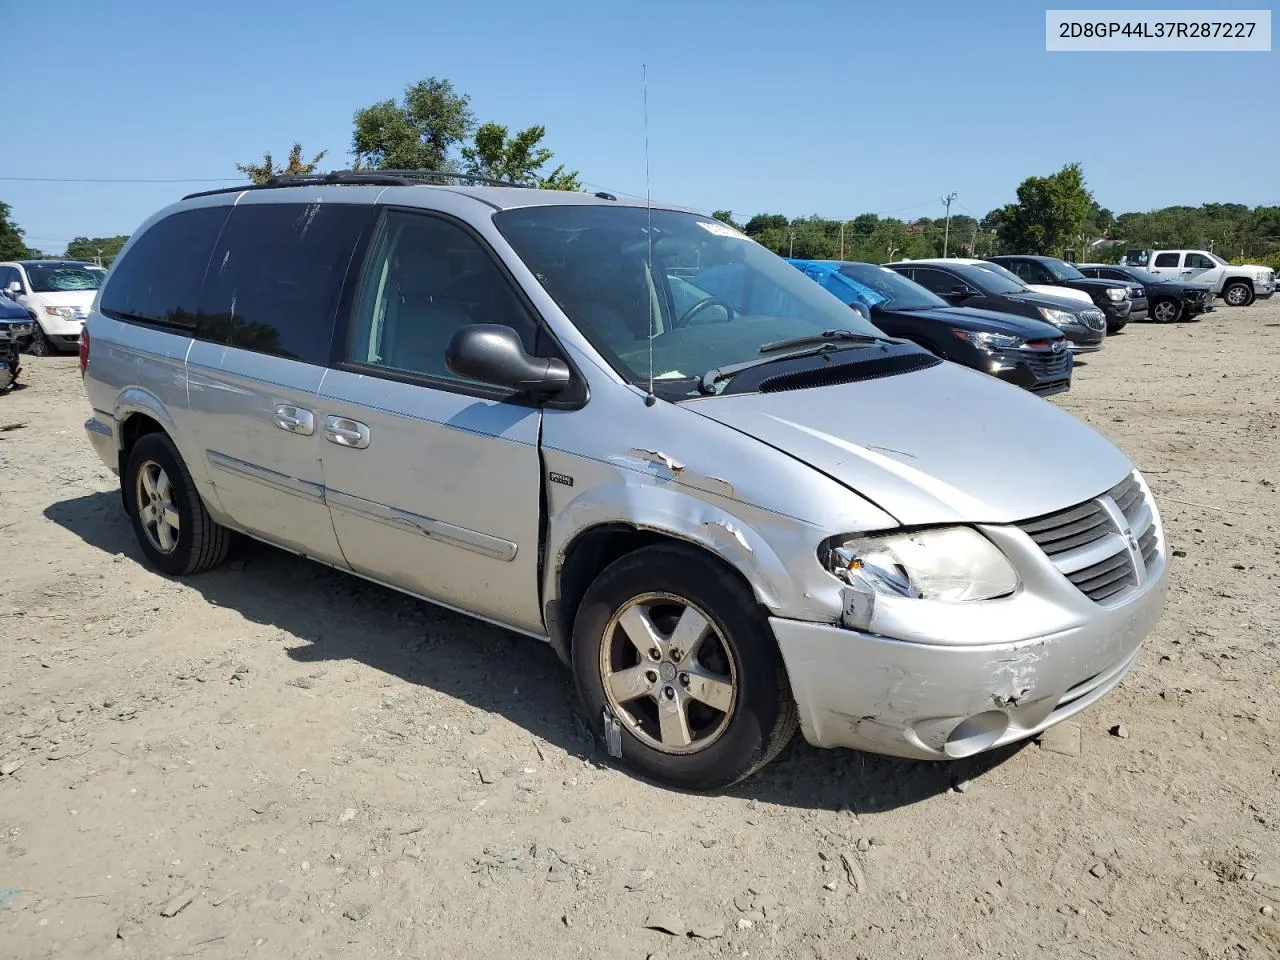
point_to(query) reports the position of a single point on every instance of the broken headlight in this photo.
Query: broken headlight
(949, 564)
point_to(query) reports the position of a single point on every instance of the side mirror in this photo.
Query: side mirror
(493, 353)
(14, 289)
(861, 309)
(962, 293)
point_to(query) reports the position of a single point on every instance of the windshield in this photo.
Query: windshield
(61, 277)
(898, 292)
(1001, 271)
(988, 281)
(713, 299)
(1061, 270)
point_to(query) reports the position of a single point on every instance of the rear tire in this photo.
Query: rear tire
(1237, 294)
(169, 519)
(730, 686)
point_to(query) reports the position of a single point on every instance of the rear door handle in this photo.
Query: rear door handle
(346, 433)
(294, 419)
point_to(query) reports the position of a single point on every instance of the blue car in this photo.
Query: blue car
(15, 332)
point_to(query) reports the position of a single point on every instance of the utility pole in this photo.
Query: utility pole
(946, 233)
(973, 243)
(792, 250)
(842, 223)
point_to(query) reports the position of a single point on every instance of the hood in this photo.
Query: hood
(9, 310)
(66, 298)
(942, 445)
(1065, 293)
(1052, 301)
(992, 321)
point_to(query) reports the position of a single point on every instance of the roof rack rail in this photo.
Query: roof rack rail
(386, 178)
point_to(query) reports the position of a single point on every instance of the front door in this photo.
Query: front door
(433, 480)
(1200, 268)
(263, 335)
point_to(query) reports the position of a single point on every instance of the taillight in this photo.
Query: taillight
(84, 350)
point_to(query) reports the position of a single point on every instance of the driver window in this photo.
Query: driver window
(1199, 261)
(426, 279)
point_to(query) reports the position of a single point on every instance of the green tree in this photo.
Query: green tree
(764, 221)
(516, 159)
(1050, 215)
(418, 133)
(726, 216)
(90, 248)
(296, 167)
(11, 244)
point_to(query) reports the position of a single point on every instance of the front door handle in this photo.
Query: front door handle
(294, 419)
(346, 433)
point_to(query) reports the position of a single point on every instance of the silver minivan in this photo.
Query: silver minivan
(731, 515)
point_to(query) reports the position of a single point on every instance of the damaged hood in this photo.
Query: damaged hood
(940, 445)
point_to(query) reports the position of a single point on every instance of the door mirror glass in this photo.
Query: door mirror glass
(492, 353)
(14, 289)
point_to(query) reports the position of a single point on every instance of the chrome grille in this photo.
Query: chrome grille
(1093, 319)
(1107, 546)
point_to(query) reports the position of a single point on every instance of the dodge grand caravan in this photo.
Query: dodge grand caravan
(730, 514)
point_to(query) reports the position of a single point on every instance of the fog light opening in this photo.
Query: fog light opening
(976, 734)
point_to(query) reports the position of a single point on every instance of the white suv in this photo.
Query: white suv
(58, 293)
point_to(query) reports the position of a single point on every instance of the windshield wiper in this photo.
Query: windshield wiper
(825, 344)
(826, 336)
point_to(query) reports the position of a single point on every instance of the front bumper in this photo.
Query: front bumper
(1083, 339)
(1264, 291)
(1051, 653)
(1042, 372)
(1138, 309)
(1116, 310)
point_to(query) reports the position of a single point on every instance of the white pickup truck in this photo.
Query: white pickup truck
(1238, 286)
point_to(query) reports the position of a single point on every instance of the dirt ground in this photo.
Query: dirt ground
(276, 760)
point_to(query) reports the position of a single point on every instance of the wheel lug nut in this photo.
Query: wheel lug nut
(655, 653)
(677, 654)
(651, 677)
(669, 692)
(684, 679)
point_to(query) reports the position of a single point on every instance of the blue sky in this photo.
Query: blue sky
(822, 107)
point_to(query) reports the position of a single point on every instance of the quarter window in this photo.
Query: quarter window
(425, 280)
(1166, 260)
(276, 277)
(158, 279)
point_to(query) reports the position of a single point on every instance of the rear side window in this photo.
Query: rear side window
(276, 276)
(1166, 260)
(158, 279)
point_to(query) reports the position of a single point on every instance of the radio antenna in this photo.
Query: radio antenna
(649, 399)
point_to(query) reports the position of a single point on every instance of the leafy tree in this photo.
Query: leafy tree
(419, 132)
(1051, 213)
(11, 245)
(517, 159)
(296, 167)
(90, 248)
(726, 216)
(764, 221)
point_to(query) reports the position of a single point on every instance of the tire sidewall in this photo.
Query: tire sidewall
(739, 749)
(158, 447)
(1248, 297)
(39, 345)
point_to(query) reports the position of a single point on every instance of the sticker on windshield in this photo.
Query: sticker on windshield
(671, 375)
(720, 229)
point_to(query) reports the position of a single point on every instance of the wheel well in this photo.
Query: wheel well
(588, 555)
(134, 427)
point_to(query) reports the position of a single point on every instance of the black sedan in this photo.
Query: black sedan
(960, 284)
(1170, 300)
(1121, 301)
(1029, 353)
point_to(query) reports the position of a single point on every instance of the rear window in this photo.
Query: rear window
(158, 279)
(276, 276)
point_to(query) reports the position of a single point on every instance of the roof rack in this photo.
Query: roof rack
(385, 178)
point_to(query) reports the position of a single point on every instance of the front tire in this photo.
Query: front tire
(1166, 311)
(672, 646)
(170, 521)
(1238, 294)
(39, 345)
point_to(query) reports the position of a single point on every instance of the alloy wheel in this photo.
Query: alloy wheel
(156, 509)
(668, 673)
(1166, 311)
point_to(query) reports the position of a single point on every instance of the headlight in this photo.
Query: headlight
(1058, 317)
(989, 341)
(950, 564)
(1116, 294)
(66, 313)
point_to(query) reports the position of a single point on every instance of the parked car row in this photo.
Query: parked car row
(1238, 286)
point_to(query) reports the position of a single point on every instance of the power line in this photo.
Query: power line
(123, 180)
